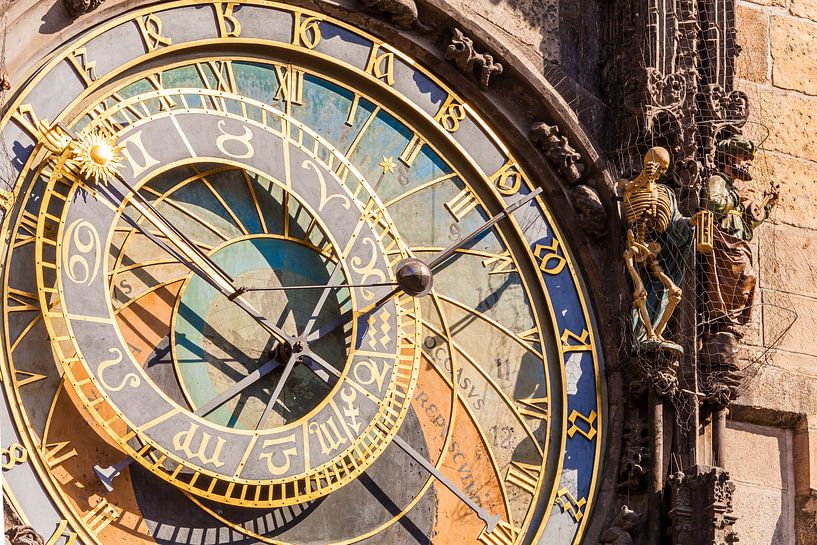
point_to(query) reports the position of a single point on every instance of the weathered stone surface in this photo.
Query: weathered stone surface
(798, 200)
(777, 388)
(752, 26)
(764, 515)
(806, 519)
(787, 259)
(789, 322)
(786, 122)
(804, 8)
(758, 455)
(794, 54)
(781, 3)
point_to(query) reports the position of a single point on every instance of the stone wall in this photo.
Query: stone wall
(777, 68)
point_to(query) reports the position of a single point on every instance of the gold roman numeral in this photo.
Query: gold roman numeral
(524, 476)
(462, 203)
(24, 378)
(500, 264)
(413, 149)
(57, 453)
(290, 85)
(100, 516)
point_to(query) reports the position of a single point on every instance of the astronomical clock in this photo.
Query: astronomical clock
(267, 279)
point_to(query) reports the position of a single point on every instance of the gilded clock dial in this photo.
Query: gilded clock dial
(210, 334)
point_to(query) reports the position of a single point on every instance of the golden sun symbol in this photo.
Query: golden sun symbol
(97, 156)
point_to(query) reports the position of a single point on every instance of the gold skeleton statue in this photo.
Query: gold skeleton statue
(649, 208)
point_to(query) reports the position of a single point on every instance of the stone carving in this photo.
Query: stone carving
(18, 533)
(701, 507)
(75, 8)
(557, 149)
(652, 210)
(590, 212)
(634, 465)
(403, 13)
(5, 82)
(461, 51)
(619, 532)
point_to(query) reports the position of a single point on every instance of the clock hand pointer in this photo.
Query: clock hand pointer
(438, 260)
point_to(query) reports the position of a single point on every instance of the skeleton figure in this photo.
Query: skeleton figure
(649, 207)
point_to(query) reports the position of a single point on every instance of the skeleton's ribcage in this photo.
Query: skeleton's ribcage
(649, 206)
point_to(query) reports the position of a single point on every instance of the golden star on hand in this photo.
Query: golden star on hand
(387, 164)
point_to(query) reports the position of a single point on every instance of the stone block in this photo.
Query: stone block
(771, 385)
(787, 259)
(758, 454)
(752, 26)
(794, 54)
(780, 3)
(789, 322)
(784, 121)
(804, 8)
(798, 198)
(765, 515)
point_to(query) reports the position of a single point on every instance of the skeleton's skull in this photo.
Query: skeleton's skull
(659, 156)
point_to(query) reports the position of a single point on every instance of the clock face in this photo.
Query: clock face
(230, 315)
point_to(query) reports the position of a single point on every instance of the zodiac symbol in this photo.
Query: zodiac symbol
(367, 270)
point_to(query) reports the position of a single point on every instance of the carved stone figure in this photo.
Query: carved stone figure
(728, 274)
(634, 464)
(619, 532)
(403, 13)
(701, 507)
(568, 161)
(652, 211)
(75, 8)
(461, 51)
(590, 212)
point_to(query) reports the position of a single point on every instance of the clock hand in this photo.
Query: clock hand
(107, 474)
(319, 286)
(438, 260)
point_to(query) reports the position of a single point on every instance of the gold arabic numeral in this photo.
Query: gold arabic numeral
(589, 423)
(57, 453)
(508, 179)
(550, 259)
(279, 451)
(330, 437)
(461, 203)
(83, 238)
(102, 514)
(572, 342)
(228, 25)
(62, 531)
(524, 476)
(26, 378)
(166, 102)
(13, 455)
(533, 407)
(412, 150)
(381, 64)
(306, 31)
(84, 67)
(570, 504)
(131, 380)
(28, 120)
(151, 28)
(240, 145)
(290, 85)
(141, 162)
(500, 263)
(503, 534)
(184, 440)
(450, 114)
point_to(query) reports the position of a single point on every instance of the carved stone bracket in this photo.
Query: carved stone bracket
(701, 507)
(721, 377)
(566, 160)
(18, 533)
(655, 366)
(634, 465)
(621, 529)
(402, 13)
(461, 51)
(75, 8)
(590, 212)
